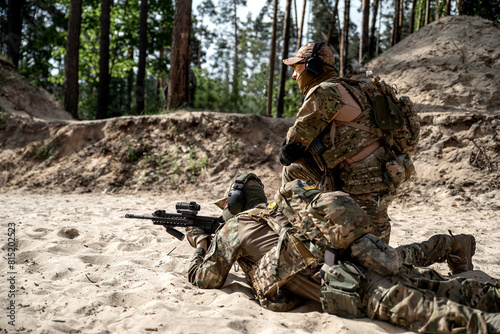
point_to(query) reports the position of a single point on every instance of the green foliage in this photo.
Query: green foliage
(44, 151)
(196, 166)
(488, 9)
(135, 151)
(228, 84)
(211, 93)
(175, 168)
(131, 155)
(4, 115)
(43, 35)
(232, 148)
(42, 54)
(293, 99)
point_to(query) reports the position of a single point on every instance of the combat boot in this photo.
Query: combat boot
(459, 258)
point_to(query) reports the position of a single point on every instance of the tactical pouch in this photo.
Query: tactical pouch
(399, 169)
(339, 294)
(375, 255)
(387, 114)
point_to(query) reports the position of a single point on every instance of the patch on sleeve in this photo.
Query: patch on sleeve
(307, 186)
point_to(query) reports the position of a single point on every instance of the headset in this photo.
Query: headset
(236, 200)
(314, 65)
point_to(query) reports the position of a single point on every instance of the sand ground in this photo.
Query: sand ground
(81, 267)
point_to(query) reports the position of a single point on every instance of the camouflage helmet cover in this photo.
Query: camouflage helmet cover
(250, 180)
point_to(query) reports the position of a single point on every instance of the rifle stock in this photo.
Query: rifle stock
(187, 216)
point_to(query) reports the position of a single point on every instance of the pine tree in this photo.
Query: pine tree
(179, 66)
(140, 87)
(71, 60)
(364, 41)
(104, 77)
(14, 29)
(286, 41)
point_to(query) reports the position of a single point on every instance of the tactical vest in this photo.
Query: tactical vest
(399, 133)
(307, 221)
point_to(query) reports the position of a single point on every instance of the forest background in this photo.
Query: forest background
(130, 57)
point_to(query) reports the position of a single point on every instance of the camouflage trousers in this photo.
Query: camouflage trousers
(363, 180)
(423, 254)
(421, 300)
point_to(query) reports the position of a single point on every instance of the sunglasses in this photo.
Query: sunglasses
(297, 66)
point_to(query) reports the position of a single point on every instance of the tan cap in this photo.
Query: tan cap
(222, 202)
(305, 52)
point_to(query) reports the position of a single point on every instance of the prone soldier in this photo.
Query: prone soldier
(313, 245)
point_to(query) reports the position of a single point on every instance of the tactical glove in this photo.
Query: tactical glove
(291, 152)
(195, 235)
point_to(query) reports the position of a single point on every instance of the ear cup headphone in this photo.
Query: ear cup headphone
(314, 65)
(236, 200)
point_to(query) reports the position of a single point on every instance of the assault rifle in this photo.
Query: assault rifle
(187, 215)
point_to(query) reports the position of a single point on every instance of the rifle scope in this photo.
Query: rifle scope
(191, 206)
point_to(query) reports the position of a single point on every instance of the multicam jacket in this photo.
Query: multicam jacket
(315, 127)
(229, 245)
(272, 244)
(253, 245)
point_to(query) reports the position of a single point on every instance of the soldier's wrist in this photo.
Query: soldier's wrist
(203, 244)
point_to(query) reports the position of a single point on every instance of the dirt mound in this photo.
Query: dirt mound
(200, 153)
(20, 97)
(457, 161)
(451, 71)
(449, 65)
(195, 152)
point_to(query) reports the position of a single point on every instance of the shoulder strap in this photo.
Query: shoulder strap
(375, 131)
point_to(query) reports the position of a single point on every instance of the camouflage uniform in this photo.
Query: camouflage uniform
(330, 144)
(363, 180)
(422, 300)
(298, 229)
(416, 299)
(273, 258)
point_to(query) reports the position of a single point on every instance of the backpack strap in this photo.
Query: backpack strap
(374, 131)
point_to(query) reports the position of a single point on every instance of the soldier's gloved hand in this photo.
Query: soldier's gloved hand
(195, 235)
(291, 152)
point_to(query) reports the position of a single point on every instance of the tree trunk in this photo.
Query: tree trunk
(371, 44)
(395, 23)
(419, 21)
(345, 38)
(427, 11)
(270, 85)
(14, 29)
(140, 87)
(400, 20)
(236, 64)
(447, 10)
(104, 78)
(286, 41)
(333, 20)
(364, 41)
(296, 23)
(378, 35)
(465, 7)
(71, 59)
(130, 85)
(179, 64)
(299, 36)
(412, 16)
